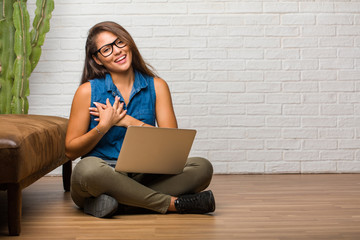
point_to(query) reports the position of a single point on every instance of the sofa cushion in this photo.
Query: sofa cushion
(29, 143)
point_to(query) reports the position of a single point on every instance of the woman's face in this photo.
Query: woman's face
(119, 60)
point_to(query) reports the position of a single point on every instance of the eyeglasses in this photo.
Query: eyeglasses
(107, 49)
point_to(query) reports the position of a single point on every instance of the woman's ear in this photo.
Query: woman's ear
(97, 60)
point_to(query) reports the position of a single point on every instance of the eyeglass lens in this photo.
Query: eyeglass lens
(108, 49)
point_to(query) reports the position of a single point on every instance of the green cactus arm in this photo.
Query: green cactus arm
(6, 9)
(41, 25)
(7, 55)
(22, 66)
(7, 59)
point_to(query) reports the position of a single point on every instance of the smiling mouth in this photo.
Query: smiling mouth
(120, 59)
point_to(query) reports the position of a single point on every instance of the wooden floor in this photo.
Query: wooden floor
(319, 206)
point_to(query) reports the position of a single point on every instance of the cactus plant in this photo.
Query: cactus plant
(20, 50)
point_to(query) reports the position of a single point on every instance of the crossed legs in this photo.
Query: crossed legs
(92, 177)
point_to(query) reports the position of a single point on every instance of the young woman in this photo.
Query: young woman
(118, 90)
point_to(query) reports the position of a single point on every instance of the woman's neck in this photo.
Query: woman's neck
(124, 82)
(123, 79)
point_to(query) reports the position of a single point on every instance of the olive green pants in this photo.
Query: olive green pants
(92, 177)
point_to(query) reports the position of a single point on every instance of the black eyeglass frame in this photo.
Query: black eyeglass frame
(112, 47)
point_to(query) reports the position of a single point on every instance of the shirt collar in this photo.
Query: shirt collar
(139, 83)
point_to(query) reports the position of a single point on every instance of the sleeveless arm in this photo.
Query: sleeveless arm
(78, 140)
(165, 115)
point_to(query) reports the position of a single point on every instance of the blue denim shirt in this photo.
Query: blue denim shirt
(140, 106)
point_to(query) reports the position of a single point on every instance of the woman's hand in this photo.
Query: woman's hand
(108, 115)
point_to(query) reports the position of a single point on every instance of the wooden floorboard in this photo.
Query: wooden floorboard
(318, 206)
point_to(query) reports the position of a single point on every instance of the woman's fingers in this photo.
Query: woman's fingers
(120, 108)
(98, 107)
(116, 103)
(94, 111)
(122, 114)
(96, 114)
(103, 106)
(107, 112)
(108, 104)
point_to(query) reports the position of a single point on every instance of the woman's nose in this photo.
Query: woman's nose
(116, 50)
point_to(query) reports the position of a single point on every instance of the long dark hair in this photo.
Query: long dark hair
(93, 70)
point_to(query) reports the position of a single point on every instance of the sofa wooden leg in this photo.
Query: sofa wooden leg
(66, 174)
(14, 197)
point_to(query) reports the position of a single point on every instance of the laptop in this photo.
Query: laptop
(155, 150)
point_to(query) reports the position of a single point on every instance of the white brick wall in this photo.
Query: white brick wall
(271, 86)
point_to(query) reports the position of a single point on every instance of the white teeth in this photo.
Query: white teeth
(120, 58)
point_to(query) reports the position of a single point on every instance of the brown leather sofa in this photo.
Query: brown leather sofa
(30, 147)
